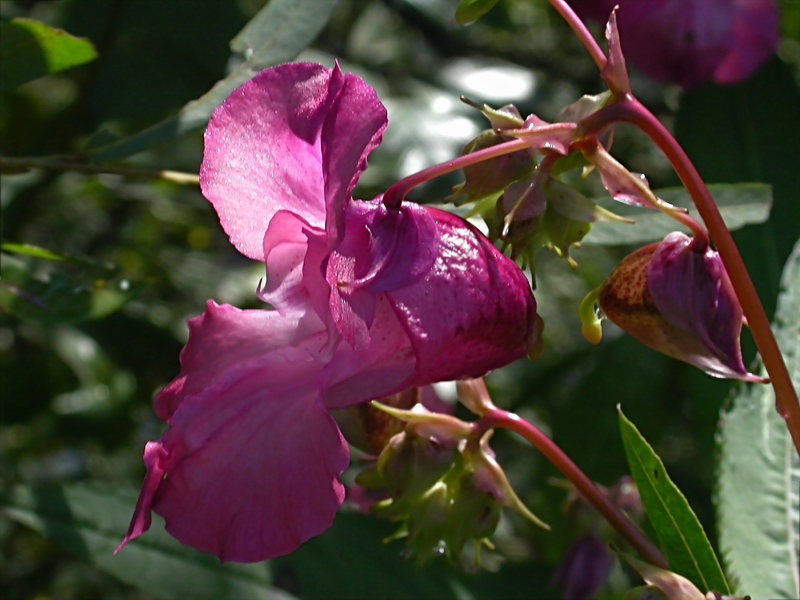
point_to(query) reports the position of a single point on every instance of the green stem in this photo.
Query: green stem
(397, 193)
(65, 164)
(497, 418)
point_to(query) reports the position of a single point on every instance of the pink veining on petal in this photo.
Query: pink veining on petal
(473, 312)
(224, 340)
(277, 143)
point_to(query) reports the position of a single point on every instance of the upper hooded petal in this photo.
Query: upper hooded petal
(472, 312)
(295, 137)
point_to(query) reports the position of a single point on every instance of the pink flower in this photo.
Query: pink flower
(691, 41)
(369, 301)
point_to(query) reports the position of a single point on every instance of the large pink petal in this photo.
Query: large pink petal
(253, 467)
(294, 138)
(352, 130)
(474, 311)
(225, 340)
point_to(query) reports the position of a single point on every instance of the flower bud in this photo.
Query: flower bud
(584, 568)
(369, 428)
(410, 464)
(675, 297)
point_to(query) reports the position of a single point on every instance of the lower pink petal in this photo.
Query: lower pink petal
(255, 469)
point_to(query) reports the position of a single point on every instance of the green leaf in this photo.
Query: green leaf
(29, 50)
(680, 534)
(758, 492)
(740, 204)
(469, 11)
(275, 35)
(59, 297)
(90, 521)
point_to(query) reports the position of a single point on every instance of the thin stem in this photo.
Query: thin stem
(586, 38)
(61, 164)
(495, 417)
(630, 110)
(396, 193)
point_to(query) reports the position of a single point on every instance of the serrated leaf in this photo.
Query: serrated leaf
(740, 204)
(89, 522)
(758, 492)
(469, 11)
(277, 33)
(680, 535)
(30, 49)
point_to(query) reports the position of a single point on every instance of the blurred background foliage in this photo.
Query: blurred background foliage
(86, 342)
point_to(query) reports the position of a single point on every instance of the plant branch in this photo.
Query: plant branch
(64, 164)
(497, 418)
(397, 192)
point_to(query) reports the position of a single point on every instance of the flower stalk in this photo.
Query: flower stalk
(497, 418)
(397, 192)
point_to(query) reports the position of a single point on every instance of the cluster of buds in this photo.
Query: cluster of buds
(520, 195)
(674, 296)
(443, 483)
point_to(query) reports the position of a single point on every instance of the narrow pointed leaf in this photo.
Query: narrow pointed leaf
(469, 11)
(276, 34)
(758, 493)
(29, 50)
(680, 535)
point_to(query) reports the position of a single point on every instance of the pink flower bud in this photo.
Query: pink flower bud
(676, 297)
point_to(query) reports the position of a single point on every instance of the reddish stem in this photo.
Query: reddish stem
(396, 193)
(580, 30)
(630, 110)
(495, 417)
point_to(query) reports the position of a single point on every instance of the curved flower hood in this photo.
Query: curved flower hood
(368, 301)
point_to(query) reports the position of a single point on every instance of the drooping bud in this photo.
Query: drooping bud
(675, 297)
